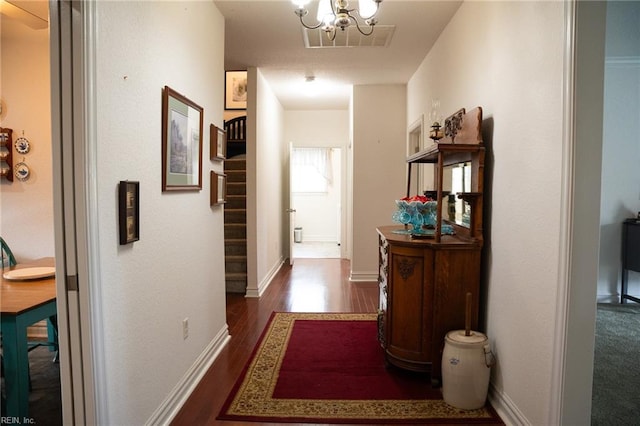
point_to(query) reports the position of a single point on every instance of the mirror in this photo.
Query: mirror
(456, 178)
(415, 144)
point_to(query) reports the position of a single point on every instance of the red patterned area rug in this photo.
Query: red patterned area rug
(329, 368)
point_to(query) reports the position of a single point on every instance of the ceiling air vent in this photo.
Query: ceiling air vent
(350, 37)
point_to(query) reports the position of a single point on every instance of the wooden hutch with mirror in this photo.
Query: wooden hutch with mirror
(429, 277)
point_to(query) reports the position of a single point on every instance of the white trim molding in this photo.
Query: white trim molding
(623, 60)
(506, 408)
(264, 283)
(572, 359)
(172, 404)
(93, 229)
(359, 277)
(566, 212)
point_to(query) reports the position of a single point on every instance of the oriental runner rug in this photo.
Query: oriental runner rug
(329, 368)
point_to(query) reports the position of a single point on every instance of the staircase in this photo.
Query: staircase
(235, 225)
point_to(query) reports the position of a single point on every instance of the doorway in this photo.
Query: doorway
(27, 209)
(619, 201)
(316, 194)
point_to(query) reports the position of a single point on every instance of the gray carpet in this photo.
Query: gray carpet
(45, 407)
(616, 371)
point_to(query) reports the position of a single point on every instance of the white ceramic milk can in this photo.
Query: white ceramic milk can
(466, 367)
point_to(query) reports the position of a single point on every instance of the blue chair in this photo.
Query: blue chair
(5, 252)
(8, 260)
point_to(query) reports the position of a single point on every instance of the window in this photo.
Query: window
(311, 170)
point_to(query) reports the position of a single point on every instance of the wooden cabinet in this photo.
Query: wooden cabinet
(6, 154)
(423, 288)
(424, 282)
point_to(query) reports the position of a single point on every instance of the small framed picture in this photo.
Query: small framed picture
(218, 188)
(218, 142)
(235, 92)
(182, 122)
(129, 211)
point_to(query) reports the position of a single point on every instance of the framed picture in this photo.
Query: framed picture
(129, 211)
(218, 141)
(235, 92)
(218, 188)
(181, 142)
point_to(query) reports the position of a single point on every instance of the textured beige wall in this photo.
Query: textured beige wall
(176, 269)
(508, 58)
(26, 207)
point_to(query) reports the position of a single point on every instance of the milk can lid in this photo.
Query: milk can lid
(458, 336)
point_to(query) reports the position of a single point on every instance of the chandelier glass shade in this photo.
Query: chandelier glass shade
(334, 14)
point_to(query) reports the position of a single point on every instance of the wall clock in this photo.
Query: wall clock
(22, 145)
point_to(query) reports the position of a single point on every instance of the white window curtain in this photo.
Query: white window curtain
(312, 169)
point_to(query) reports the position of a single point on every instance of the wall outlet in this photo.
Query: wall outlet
(185, 328)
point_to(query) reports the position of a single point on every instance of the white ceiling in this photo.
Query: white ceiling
(268, 35)
(33, 13)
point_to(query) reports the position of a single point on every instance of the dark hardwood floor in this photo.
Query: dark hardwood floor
(311, 285)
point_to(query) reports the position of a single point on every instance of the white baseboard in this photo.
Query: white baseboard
(506, 408)
(319, 239)
(623, 60)
(262, 285)
(172, 404)
(363, 276)
(608, 298)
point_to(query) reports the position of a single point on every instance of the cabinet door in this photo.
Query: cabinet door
(410, 303)
(457, 272)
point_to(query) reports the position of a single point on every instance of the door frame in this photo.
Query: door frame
(574, 337)
(341, 235)
(73, 123)
(291, 212)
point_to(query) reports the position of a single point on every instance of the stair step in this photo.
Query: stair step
(235, 247)
(235, 263)
(236, 202)
(235, 225)
(236, 175)
(236, 282)
(236, 276)
(235, 216)
(235, 163)
(235, 230)
(236, 188)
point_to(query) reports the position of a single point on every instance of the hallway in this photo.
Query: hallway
(316, 250)
(311, 285)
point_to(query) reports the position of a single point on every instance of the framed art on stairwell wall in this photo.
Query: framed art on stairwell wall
(218, 188)
(218, 143)
(182, 122)
(235, 92)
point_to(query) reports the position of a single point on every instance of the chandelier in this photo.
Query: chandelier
(334, 14)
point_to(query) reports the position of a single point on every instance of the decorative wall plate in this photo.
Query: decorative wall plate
(22, 145)
(22, 171)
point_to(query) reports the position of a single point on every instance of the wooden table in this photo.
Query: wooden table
(23, 303)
